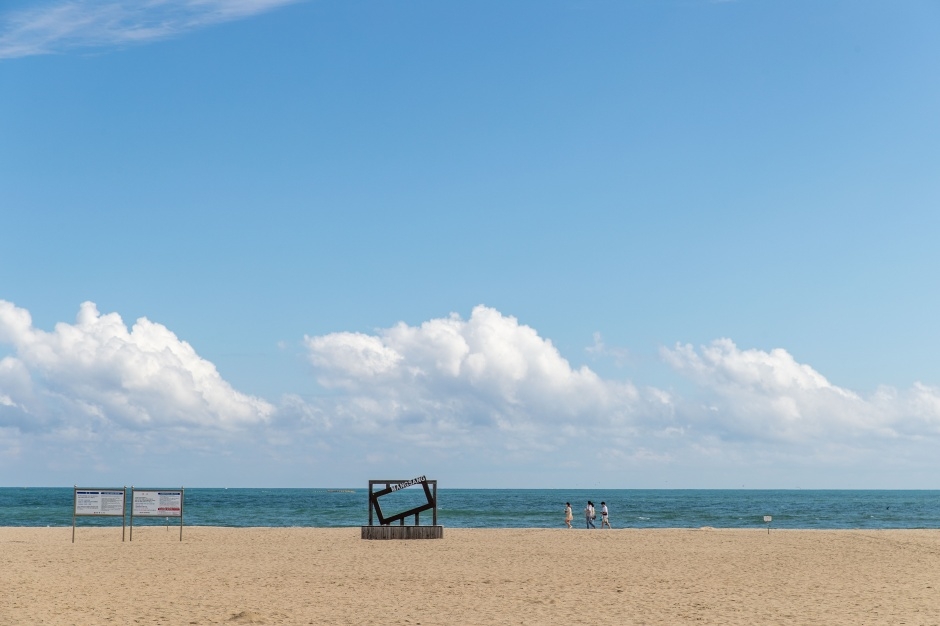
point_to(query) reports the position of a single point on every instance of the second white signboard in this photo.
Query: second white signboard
(159, 503)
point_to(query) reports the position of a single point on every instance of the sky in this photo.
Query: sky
(552, 244)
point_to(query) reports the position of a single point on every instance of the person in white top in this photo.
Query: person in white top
(568, 515)
(605, 519)
(589, 514)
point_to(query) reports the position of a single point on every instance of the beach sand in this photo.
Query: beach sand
(533, 576)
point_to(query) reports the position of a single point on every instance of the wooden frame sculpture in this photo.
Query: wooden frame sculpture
(385, 530)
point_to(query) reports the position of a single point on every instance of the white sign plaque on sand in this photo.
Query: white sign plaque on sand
(91, 502)
(99, 502)
(408, 483)
(158, 503)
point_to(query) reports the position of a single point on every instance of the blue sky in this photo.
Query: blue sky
(503, 244)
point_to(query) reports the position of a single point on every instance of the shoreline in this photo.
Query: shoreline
(276, 575)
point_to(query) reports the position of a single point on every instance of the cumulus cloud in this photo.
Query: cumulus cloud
(489, 379)
(449, 390)
(451, 379)
(63, 25)
(769, 395)
(143, 378)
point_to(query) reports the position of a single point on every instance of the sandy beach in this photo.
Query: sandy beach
(331, 576)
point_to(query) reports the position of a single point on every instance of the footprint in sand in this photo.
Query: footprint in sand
(246, 617)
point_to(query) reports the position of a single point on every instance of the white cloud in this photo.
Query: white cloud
(96, 373)
(455, 380)
(491, 381)
(620, 356)
(74, 24)
(769, 395)
(486, 398)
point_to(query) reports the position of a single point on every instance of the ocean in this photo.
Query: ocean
(510, 508)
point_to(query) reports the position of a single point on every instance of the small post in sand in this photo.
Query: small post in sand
(767, 520)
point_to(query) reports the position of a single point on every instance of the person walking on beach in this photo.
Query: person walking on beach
(589, 515)
(605, 519)
(568, 515)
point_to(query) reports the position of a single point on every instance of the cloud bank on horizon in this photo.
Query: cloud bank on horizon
(53, 27)
(486, 385)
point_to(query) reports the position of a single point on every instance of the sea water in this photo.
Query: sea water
(511, 508)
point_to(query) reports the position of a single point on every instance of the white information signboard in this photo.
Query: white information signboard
(163, 503)
(99, 502)
(157, 503)
(91, 502)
